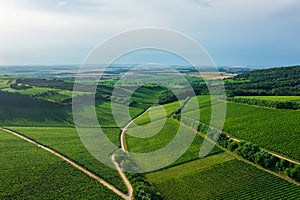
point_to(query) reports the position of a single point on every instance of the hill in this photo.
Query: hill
(284, 81)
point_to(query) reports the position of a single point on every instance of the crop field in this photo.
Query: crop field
(192, 153)
(203, 101)
(67, 142)
(157, 112)
(273, 98)
(196, 105)
(188, 168)
(221, 177)
(273, 129)
(28, 172)
(164, 137)
(158, 141)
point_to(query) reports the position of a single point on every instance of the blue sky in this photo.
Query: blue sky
(234, 32)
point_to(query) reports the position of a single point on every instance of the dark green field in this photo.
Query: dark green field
(28, 172)
(220, 177)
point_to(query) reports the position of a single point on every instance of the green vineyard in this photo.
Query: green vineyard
(231, 179)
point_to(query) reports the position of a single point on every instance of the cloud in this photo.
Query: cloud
(51, 30)
(62, 3)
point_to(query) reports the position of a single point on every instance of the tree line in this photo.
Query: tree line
(266, 103)
(255, 154)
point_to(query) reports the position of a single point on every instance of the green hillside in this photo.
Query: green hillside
(284, 81)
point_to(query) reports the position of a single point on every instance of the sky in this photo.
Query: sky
(233, 32)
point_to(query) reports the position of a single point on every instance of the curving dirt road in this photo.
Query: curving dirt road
(123, 146)
(124, 129)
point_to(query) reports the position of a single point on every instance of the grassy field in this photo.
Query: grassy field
(273, 98)
(221, 177)
(164, 111)
(274, 129)
(67, 142)
(28, 172)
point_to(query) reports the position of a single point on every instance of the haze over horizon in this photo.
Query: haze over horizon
(251, 33)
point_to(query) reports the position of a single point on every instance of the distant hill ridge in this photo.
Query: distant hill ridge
(281, 81)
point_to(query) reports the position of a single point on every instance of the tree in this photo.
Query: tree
(142, 195)
(265, 159)
(247, 150)
(144, 192)
(294, 172)
(281, 165)
(232, 146)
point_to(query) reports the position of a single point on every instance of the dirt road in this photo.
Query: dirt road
(123, 176)
(124, 148)
(124, 129)
(77, 166)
